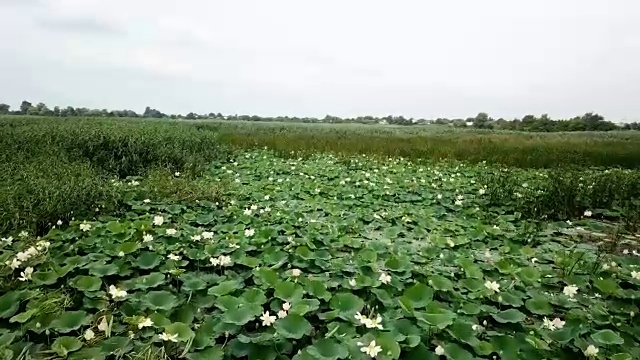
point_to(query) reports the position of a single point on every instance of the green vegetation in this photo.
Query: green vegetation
(55, 170)
(587, 122)
(615, 149)
(326, 246)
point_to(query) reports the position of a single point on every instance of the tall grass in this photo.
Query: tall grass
(524, 150)
(567, 194)
(54, 169)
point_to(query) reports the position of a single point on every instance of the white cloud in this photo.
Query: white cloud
(416, 58)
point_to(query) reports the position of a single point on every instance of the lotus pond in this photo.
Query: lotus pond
(323, 258)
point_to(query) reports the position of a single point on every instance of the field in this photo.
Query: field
(334, 242)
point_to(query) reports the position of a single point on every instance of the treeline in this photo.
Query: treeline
(586, 122)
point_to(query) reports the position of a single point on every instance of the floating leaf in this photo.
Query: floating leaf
(224, 288)
(65, 344)
(160, 300)
(509, 316)
(148, 260)
(607, 337)
(87, 283)
(293, 326)
(327, 349)
(418, 295)
(70, 320)
(346, 304)
(9, 303)
(539, 305)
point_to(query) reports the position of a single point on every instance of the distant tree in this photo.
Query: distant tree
(56, 111)
(25, 106)
(191, 116)
(4, 109)
(152, 113)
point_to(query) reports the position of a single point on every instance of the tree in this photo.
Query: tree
(4, 109)
(153, 113)
(25, 106)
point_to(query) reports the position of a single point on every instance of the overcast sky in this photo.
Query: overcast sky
(421, 58)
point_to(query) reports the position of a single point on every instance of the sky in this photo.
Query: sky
(421, 59)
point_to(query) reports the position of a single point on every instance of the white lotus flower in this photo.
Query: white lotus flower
(174, 257)
(23, 256)
(635, 275)
(7, 240)
(267, 197)
(26, 274)
(169, 337)
(85, 227)
(158, 220)
(384, 278)
(482, 191)
(121, 253)
(14, 263)
(439, 350)
(247, 211)
(492, 285)
(553, 325)
(559, 324)
(117, 293)
(570, 290)
(286, 306)
(374, 323)
(171, 231)
(372, 349)
(475, 327)
(103, 325)
(352, 282)
(196, 237)
(439, 196)
(249, 232)
(282, 314)
(296, 272)
(146, 201)
(588, 213)
(214, 261)
(23, 234)
(224, 260)
(458, 202)
(361, 318)
(267, 320)
(59, 222)
(134, 183)
(147, 238)
(177, 174)
(591, 351)
(144, 322)
(207, 235)
(89, 334)
(31, 251)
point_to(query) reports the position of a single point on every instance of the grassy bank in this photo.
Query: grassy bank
(524, 150)
(58, 169)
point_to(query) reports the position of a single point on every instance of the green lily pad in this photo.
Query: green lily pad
(607, 337)
(69, 321)
(509, 316)
(418, 295)
(539, 305)
(327, 349)
(65, 345)
(87, 283)
(148, 260)
(163, 300)
(293, 327)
